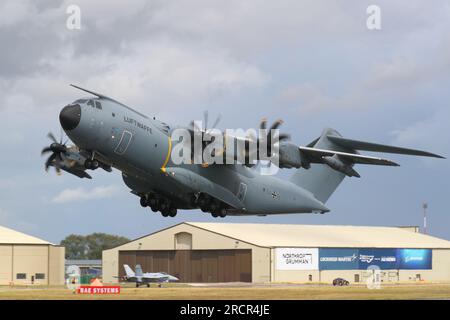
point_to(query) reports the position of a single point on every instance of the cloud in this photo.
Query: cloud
(313, 63)
(80, 194)
(429, 133)
(4, 216)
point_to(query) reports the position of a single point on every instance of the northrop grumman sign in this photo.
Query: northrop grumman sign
(297, 258)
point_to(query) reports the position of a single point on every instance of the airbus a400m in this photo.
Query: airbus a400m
(108, 134)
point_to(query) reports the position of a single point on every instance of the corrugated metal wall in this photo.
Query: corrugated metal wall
(193, 265)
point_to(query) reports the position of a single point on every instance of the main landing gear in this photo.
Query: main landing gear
(157, 203)
(209, 204)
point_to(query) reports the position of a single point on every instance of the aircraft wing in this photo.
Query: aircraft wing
(315, 155)
(375, 147)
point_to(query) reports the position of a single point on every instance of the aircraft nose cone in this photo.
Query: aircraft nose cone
(70, 116)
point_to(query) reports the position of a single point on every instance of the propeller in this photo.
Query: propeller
(194, 125)
(270, 139)
(276, 136)
(204, 131)
(58, 149)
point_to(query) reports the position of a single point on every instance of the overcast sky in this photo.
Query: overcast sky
(312, 63)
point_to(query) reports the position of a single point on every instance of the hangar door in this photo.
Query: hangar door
(193, 265)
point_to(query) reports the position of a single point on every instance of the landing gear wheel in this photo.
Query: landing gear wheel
(148, 285)
(165, 213)
(214, 214)
(154, 209)
(222, 213)
(91, 164)
(88, 163)
(144, 202)
(172, 212)
(94, 164)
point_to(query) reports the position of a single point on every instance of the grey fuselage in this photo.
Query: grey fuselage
(140, 147)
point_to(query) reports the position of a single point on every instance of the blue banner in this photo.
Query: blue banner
(338, 259)
(415, 259)
(385, 259)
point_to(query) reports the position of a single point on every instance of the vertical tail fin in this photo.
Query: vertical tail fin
(320, 179)
(129, 272)
(139, 272)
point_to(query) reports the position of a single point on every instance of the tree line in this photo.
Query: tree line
(90, 247)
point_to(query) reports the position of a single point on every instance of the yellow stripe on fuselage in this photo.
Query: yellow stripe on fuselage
(163, 168)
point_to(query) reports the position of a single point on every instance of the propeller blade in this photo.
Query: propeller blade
(284, 137)
(276, 124)
(208, 131)
(49, 161)
(217, 121)
(263, 123)
(52, 137)
(205, 116)
(194, 126)
(61, 134)
(46, 150)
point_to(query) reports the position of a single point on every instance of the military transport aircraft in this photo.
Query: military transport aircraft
(108, 134)
(141, 278)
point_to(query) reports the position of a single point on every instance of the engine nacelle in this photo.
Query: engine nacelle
(290, 156)
(340, 166)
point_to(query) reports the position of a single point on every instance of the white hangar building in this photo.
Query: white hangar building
(229, 252)
(27, 260)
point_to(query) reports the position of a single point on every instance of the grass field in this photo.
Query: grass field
(424, 291)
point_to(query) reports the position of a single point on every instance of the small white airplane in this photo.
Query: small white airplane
(141, 278)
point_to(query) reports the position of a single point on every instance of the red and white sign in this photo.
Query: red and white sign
(98, 290)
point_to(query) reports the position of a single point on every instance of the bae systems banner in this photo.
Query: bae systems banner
(297, 258)
(385, 259)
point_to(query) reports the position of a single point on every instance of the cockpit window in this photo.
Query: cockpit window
(80, 101)
(95, 104)
(98, 105)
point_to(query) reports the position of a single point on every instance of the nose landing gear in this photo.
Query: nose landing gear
(91, 164)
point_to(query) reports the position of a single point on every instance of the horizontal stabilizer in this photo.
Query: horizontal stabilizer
(375, 147)
(315, 156)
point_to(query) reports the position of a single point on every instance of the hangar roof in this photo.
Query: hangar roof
(294, 235)
(10, 236)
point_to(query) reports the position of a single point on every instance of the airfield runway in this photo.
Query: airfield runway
(240, 292)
